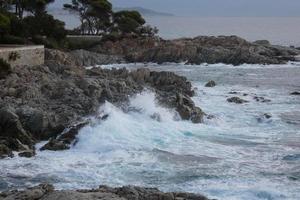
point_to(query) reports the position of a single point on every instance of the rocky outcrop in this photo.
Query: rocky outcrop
(202, 49)
(40, 102)
(81, 58)
(236, 100)
(210, 84)
(47, 192)
(87, 58)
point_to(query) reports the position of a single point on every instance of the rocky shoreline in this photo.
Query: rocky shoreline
(203, 49)
(39, 103)
(47, 192)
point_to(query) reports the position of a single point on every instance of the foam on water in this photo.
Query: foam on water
(237, 155)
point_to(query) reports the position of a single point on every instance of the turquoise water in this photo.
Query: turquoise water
(239, 154)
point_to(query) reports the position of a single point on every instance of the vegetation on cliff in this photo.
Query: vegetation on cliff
(28, 21)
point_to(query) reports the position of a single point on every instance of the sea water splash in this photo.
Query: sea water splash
(239, 154)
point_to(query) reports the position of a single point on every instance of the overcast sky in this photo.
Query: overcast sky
(214, 7)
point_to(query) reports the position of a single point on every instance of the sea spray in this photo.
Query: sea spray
(233, 155)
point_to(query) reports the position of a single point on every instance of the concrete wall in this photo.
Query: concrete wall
(23, 55)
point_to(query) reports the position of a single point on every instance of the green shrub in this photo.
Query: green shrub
(9, 39)
(4, 24)
(5, 68)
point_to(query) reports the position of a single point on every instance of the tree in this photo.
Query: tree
(4, 24)
(45, 25)
(34, 7)
(128, 21)
(95, 15)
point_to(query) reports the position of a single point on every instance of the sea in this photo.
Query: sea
(236, 154)
(278, 30)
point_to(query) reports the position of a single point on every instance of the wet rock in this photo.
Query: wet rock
(210, 84)
(47, 99)
(237, 100)
(47, 192)
(267, 116)
(12, 134)
(261, 99)
(66, 139)
(5, 151)
(295, 93)
(27, 154)
(55, 145)
(187, 109)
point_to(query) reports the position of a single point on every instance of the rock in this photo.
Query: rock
(261, 99)
(12, 133)
(262, 42)
(33, 193)
(237, 100)
(47, 192)
(202, 49)
(5, 151)
(55, 145)
(267, 116)
(295, 93)
(66, 139)
(210, 84)
(187, 109)
(88, 58)
(47, 99)
(27, 154)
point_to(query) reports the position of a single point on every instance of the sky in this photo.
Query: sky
(213, 8)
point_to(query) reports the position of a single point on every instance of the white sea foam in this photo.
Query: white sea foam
(237, 155)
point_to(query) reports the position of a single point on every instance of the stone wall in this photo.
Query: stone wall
(23, 55)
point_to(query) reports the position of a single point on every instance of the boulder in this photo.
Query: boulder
(210, 83)
(66, 139)
(27, 154)
(236, 100)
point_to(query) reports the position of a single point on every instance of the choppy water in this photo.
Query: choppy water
(237, 155)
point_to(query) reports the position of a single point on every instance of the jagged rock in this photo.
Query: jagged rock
(66, 139)
(236, 100)
(210, 84)
(87, 58)
(48, 98)
(187, 109)
(202, 49)
(12, 134)
(47, 192)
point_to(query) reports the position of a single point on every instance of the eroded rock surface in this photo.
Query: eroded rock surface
(202, 49)
(40, 102)
(47, 192)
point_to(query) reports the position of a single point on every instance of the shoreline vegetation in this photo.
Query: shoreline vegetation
(39, 103)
